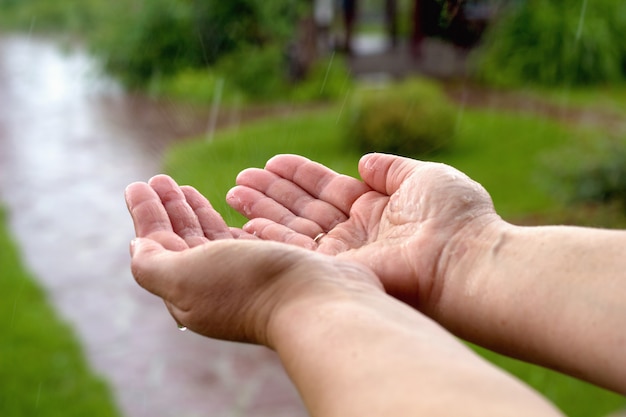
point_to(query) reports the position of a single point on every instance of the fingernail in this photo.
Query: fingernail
(133, 246)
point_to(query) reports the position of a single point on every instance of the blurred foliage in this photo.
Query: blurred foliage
(225, 26)
(328, 80)
(75, 16)
(161, 37)
(197, 86)
(412, 118)
(181, 48)
(543, 42)
(255, 70)
(234, 84)
(138, 40)
(589, 171)
(43, 371)
(156, 38)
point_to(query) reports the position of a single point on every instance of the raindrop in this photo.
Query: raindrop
(581, 20)
(343, 105)
(330, 64)
(215, 108)
(38, 395)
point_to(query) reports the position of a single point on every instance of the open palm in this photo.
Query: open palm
(223, 282)
(401, 220)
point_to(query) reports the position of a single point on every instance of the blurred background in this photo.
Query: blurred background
(525, 96)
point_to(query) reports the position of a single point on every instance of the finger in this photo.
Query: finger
(254, 204)
(184, 221)
(269, 230)
(385, 173)
(319, 181)
(145, 207)
(292, 197)
(211, 222)
(241, 234)
(328, 244)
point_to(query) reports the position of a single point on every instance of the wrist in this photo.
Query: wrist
(311, 291)
(340, 352)
(463, 278)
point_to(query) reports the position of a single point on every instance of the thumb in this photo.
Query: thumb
(385, 173)
(144, 247)
(147, 265)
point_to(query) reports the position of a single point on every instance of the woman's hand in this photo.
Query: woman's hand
(217, 285)
(405, 220)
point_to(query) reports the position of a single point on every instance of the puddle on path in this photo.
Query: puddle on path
(70, 141)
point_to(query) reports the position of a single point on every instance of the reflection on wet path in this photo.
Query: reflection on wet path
(69, 144)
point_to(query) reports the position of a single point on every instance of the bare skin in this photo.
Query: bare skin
(432, 236)
(397, 221)
(351, 349)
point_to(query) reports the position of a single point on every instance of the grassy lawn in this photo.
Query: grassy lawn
(501, 150)
(611, 98)
(212, 167)
(43, 371)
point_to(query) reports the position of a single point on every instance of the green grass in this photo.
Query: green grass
(212, 166)
(609, 98)
(500, 150)
(43, 371)
(574, 397)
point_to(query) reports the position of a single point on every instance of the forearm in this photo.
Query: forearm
(555, 296)
(379, 357)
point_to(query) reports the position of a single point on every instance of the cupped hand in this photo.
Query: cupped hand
(405, 220)
(178, 217)
(223, 282)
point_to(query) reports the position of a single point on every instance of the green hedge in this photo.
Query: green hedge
(156, 38)
(413, 118)
(544, 42)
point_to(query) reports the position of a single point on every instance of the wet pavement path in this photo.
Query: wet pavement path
(69, 144)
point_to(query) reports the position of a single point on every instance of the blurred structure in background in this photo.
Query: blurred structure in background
(399, 37)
